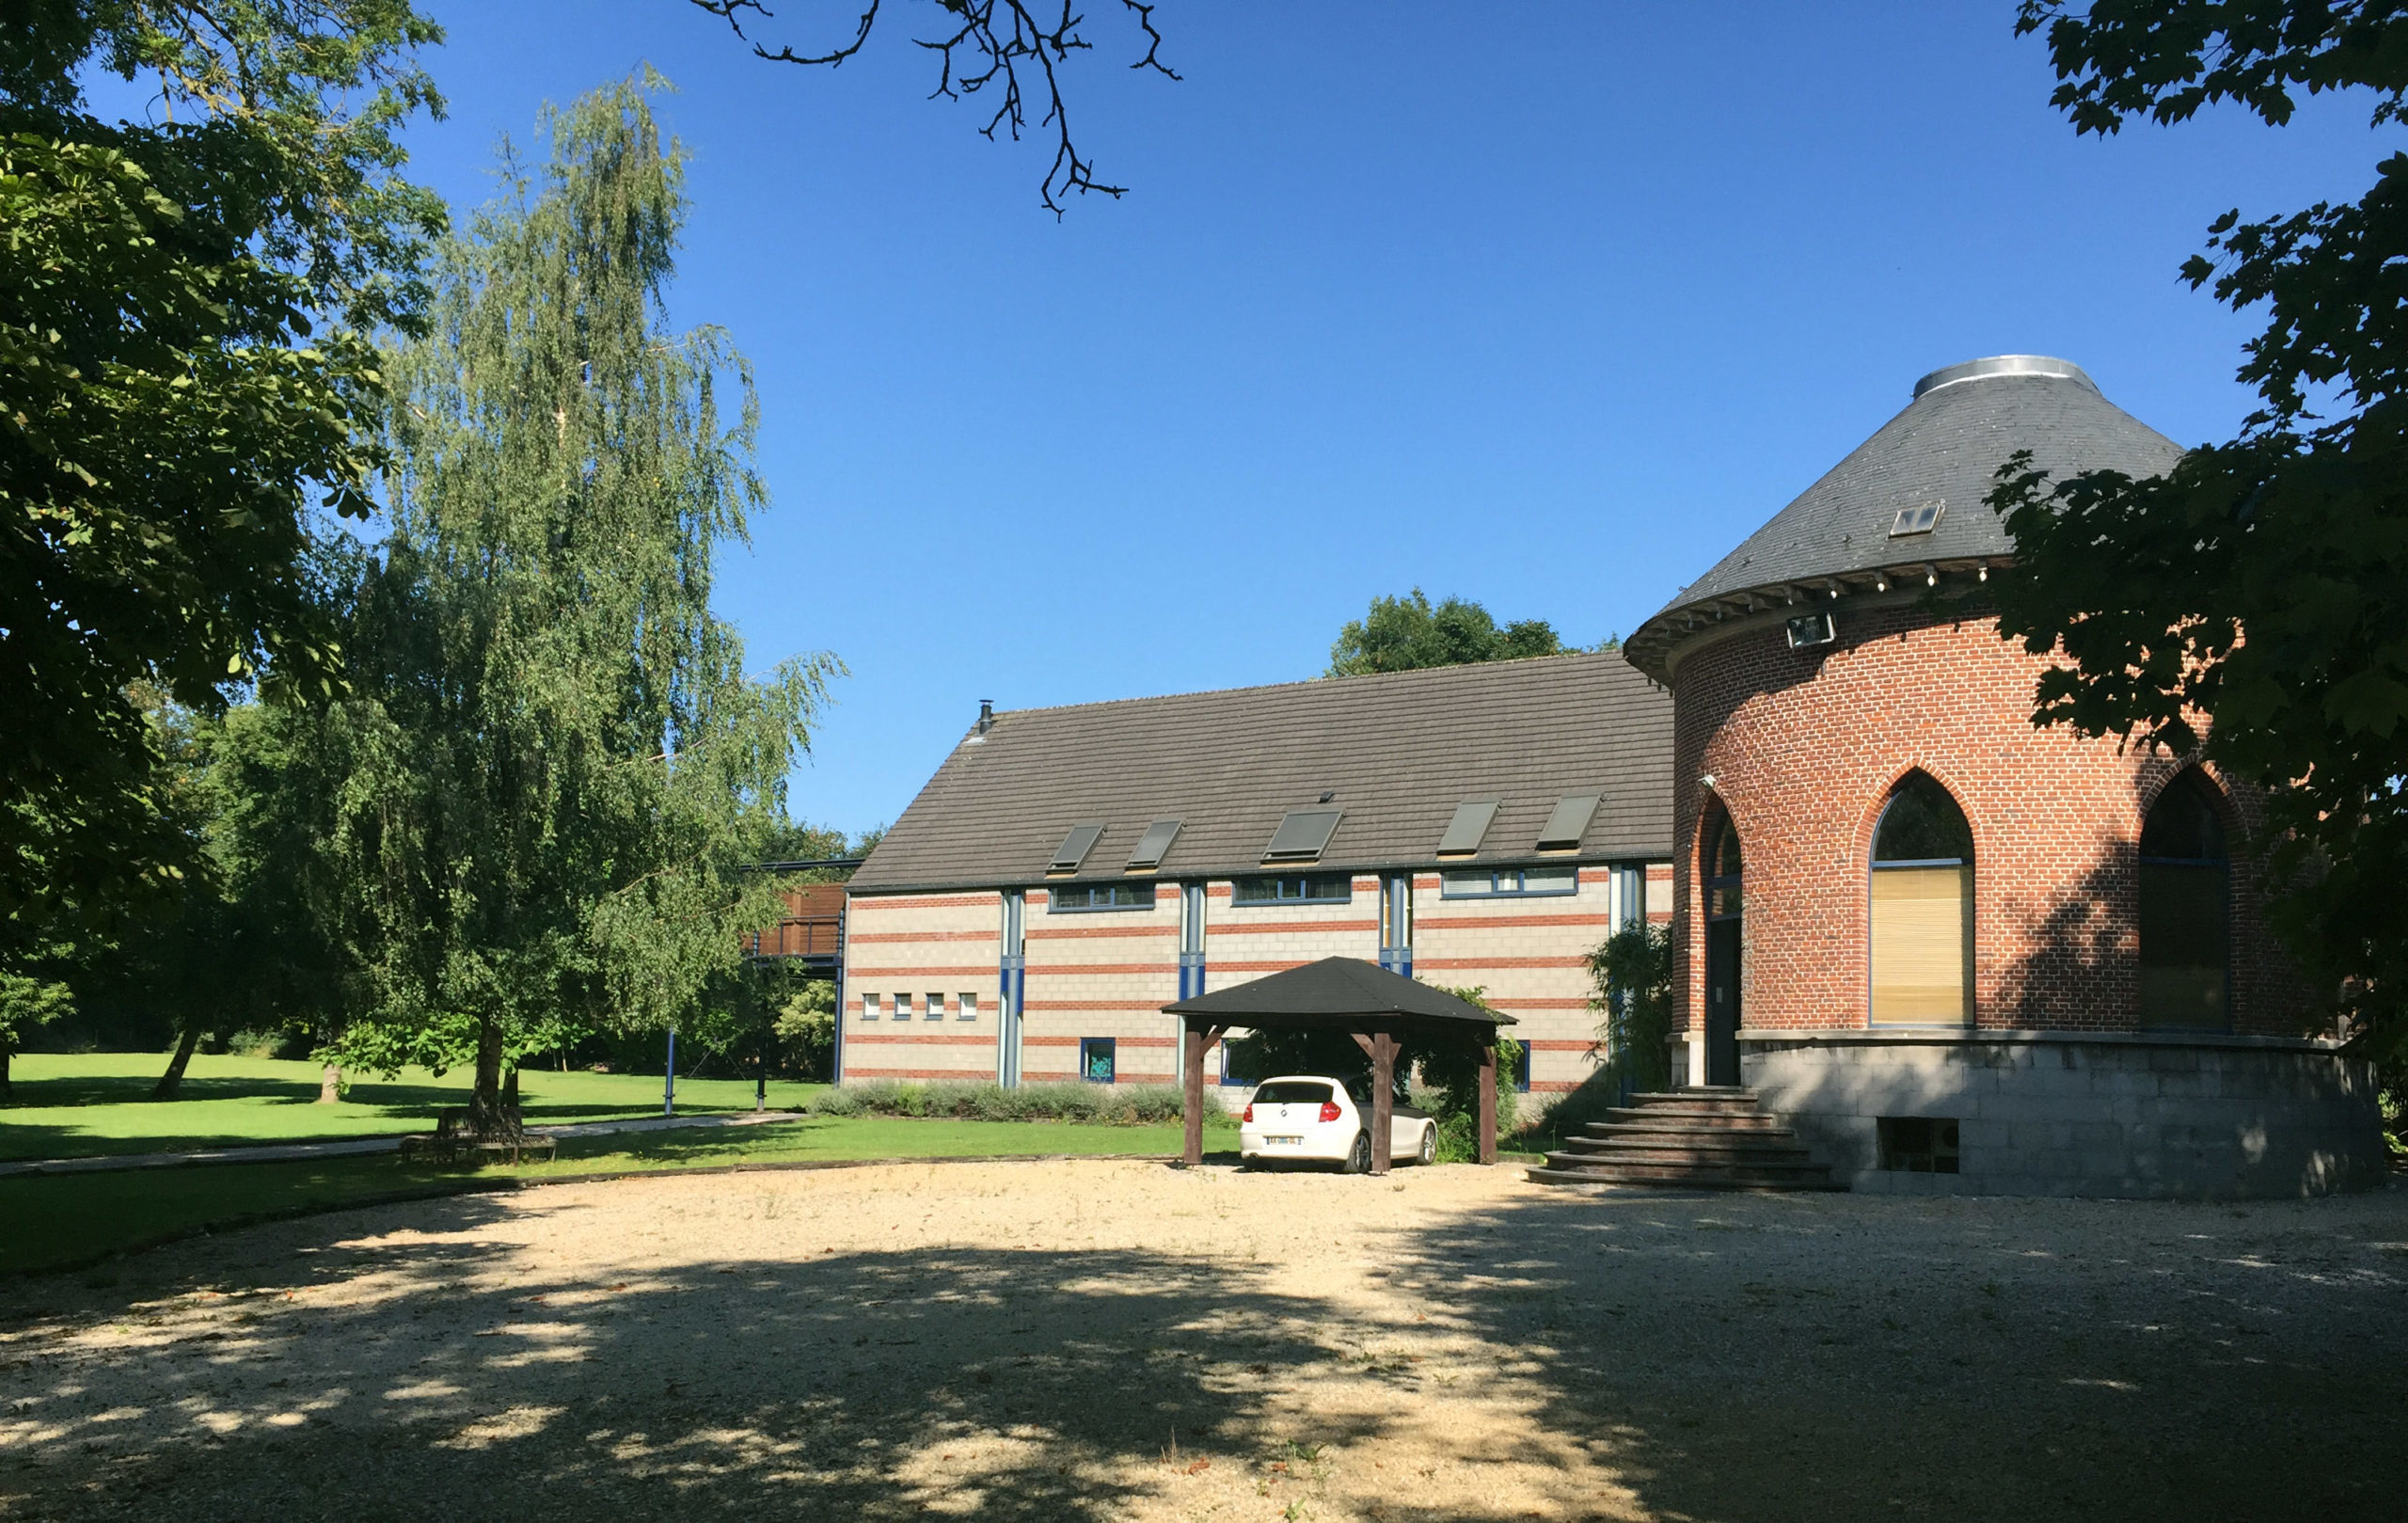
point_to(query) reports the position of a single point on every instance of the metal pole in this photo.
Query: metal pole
(669, 1079)
(761, 1079)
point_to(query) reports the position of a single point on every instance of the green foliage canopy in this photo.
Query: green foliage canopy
(543, 791)
(2262, 583)
(1405, 634)
(182, 376)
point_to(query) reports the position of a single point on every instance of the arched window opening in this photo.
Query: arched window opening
(1922, 909)
(1722, 867)
(1722, 954)
(2186, 942)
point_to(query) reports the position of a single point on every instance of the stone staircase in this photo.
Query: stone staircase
(1704, 1138)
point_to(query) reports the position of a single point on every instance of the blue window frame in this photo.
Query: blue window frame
(1509, 883)
(1311, 888)
(1096, 1060)
(1522, 1069)
(1073, 898)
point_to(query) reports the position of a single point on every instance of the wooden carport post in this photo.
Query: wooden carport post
(1199, 1040)
(1381, 1047)
(1488, 1098)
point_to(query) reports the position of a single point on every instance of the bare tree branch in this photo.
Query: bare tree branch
(984, 50)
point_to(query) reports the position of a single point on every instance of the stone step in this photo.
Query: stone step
(1717, 1147)
(1723, 1097)
(1689, 1176)
(1668, 1120)
(1651, 1157)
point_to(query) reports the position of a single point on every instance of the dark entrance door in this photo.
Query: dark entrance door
(1723, 902)
(1722, 1001)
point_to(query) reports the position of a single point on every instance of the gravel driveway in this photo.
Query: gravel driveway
(1091, 1340)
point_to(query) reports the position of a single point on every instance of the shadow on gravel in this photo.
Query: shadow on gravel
(1808, 1357)
(1728, 1358)
(846, 1385)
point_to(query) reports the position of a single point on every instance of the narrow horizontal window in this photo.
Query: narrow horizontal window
(1509, 882)
(1312, 888)
(1101, 897)
(1918, 1144)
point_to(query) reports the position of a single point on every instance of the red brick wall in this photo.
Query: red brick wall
(1804, 748)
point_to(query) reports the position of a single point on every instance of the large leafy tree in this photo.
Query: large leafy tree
(544, 787)
(2252, 605)
(1404, 634)
(182, 379)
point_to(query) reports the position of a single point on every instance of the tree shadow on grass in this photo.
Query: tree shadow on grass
(1760, 1357)
(999, 1383)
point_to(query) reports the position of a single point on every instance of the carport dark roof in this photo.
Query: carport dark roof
(1946, 446)
(1334, 992)
(1399, 752)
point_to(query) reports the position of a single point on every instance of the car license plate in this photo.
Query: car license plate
(1290, 1142)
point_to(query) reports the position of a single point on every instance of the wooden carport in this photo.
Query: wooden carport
(1378, 1009)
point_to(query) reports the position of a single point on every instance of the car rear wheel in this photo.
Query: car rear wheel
(1358, 1158)
(1428, 1152)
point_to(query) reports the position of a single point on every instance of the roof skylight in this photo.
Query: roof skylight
(1151, 846)
(1472, 818)
(1922, 518)
(1569, 822)
(1301, 835)
(1074, 849)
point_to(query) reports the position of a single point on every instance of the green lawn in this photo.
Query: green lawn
(58, 1220)
(79, 1104)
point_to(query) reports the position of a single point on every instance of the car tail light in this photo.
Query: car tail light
(1249, 1116)
(1330, 1110)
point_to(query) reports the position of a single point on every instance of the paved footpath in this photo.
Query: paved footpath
(272, 1152)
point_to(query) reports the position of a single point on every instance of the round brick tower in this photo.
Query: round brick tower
(1958, 952)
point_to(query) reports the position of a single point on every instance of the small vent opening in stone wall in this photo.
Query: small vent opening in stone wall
(1918, 1144)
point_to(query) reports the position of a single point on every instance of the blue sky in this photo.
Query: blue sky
(1543, 305)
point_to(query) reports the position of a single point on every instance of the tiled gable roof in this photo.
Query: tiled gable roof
(1397, 752)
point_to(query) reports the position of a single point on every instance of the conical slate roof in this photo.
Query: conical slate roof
(1843, 533)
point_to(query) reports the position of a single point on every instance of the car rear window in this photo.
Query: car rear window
(1291, 1094)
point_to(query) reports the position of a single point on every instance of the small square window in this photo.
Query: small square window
(1096, 1064)
(1918, 1144)
(969, 1009)
(869, 1006)
(936, 1006)
(902, 1007)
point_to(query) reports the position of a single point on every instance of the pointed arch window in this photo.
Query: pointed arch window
(1922, 909)
(2186, 942)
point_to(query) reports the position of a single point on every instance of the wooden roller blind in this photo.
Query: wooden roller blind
(1923, 946)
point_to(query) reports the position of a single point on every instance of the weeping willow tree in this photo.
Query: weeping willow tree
(551, 766)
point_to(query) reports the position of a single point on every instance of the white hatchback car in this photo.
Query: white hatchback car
(1312, 1118)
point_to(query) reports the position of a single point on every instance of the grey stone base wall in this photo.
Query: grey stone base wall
(2076, 1114)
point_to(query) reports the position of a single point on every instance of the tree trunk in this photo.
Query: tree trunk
(7, 1051)
(330, 1085)
(487, 1119)
(510, 1091)
(173, 1079)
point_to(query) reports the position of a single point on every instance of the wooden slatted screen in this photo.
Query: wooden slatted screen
(1923, 944)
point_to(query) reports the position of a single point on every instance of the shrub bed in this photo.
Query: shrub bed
(1091, 1105)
